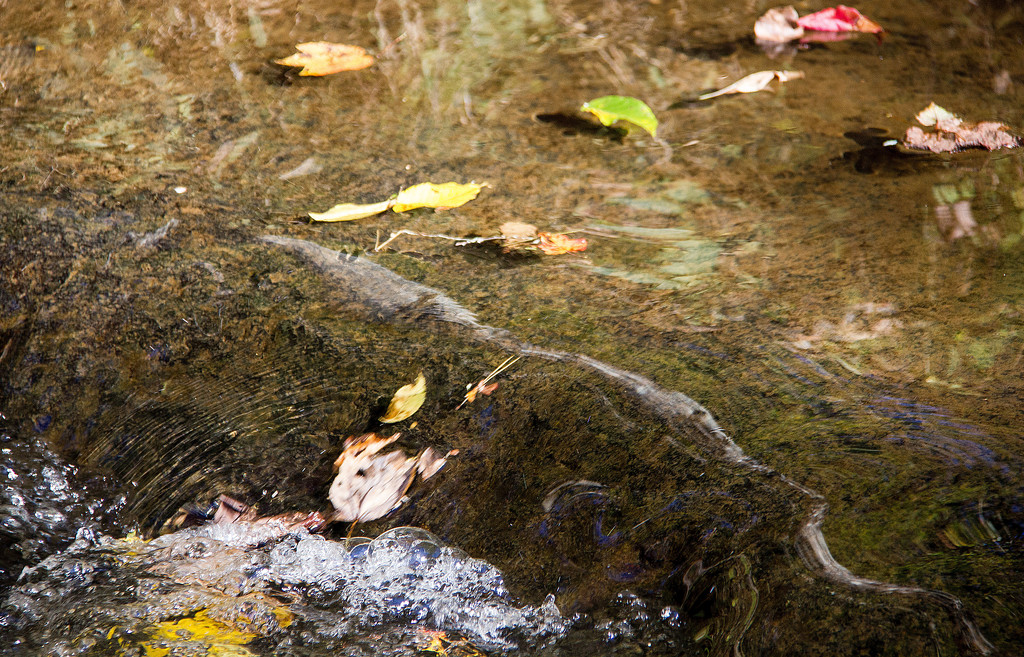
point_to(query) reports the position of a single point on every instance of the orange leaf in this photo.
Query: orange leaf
(557, 243)
(324, 58)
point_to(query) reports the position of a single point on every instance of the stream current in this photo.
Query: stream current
(772, 409)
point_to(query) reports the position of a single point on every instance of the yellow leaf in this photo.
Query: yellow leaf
(406, 401)
(324, 58)
(350, 211)
(431, 195)
(219, 638)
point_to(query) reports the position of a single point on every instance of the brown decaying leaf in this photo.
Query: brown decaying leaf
(324, 58)
(954, 134)
(230, 511)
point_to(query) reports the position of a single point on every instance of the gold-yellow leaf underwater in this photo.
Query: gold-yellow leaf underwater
(431, 195)
(324, 58)
(220, 639)
(423, 195)
(406, 401)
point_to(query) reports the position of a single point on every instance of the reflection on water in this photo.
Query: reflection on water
(850, 313)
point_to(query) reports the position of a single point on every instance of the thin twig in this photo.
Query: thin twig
(509, 362)
(459, 241)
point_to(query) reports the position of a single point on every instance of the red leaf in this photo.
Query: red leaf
(557, 243)
(839, 19)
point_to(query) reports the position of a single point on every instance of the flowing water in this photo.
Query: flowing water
(774, 407)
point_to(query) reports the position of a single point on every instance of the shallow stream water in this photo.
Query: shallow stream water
(774, 408)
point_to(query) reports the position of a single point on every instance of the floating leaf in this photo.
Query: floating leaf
(557, 243)
(324, 58)
(406, 401)
(954, 134)
(933, 114)
(839, 19)
(369, 485)
(424, 195)
(753, 82)
(778, 25)
(948, 138)
(609, 109)
(431, 195)
(350, 211)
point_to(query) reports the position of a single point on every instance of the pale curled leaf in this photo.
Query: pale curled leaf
(786, 76)
(933, 114)
(609, 109)
(778, 25)
(753, 82)
(324, 58)
(406, 401)
(369, 486)
(433, 195)
(350, 211)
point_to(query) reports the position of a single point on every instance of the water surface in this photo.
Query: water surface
(813, 290)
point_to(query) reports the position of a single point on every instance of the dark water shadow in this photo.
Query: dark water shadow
(573, 125)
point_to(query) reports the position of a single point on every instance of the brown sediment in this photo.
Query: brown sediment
(377, 287)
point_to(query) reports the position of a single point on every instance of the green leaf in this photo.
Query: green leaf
(609, 109)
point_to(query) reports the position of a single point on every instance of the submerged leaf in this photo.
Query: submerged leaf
(432, 195)
(323, 58)
(369, 485)
(350, 211)
(753, 82)
(406, 401)
(430, 461)
(609, 109)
